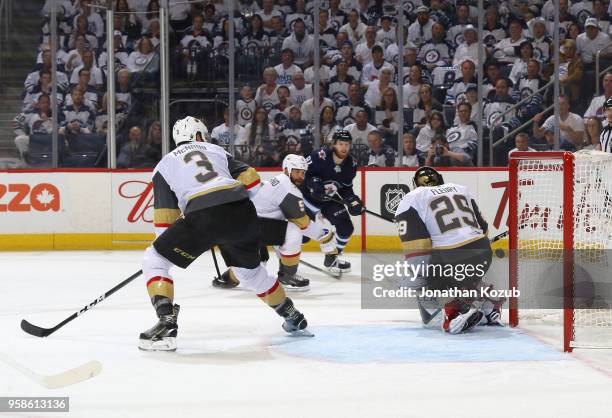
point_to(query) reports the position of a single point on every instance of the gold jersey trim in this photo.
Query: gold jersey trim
(459, 244)
(165, 216)
(248, 176)
(417, 244)
(214, 189)
(301, 222)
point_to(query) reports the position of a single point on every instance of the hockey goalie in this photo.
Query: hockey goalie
(444, 238)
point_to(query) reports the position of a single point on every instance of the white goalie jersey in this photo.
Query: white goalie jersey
(438, 218)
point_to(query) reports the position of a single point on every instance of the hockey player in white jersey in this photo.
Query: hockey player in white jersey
(441, 228)
(200, 201)
(280, 200)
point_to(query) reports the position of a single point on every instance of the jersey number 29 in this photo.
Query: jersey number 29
(443, 206)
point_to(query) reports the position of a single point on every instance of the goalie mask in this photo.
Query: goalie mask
(186, 130)
(427, 177)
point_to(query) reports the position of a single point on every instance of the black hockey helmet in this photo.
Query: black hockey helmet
(427, 176)
(342, 135)
(608, 104)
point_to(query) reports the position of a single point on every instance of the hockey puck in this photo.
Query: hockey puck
(499, 253)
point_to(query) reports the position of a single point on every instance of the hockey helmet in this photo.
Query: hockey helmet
(608, 104)
(428, 177)
(186, 129)
(294, 162)
(342, 135)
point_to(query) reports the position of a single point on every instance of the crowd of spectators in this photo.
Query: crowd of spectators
(359, 83)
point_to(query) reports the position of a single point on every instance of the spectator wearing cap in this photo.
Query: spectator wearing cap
(595, 109)
(121, 56)
(286, 69)
(376, 87)
(386, 34)
(437, 51)
(468, 49)
(521, 143)
(570, 71)
(267, 94)
(355, 66)
(602, 15)
(363, 52)
(348, 109)
(308, 107)
(355, 28)
(505, 51)
(542, 43)
(456, 32)
(493, 31)
(339, 84)
(519, 68)
(327, 32)
(301, 44)
(468, 70)
(420, 30)
(299, 90)
(591, 41)
(372, 69)
(379, 154)
(571, 125)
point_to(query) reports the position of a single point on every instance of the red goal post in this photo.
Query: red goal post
(559, 203)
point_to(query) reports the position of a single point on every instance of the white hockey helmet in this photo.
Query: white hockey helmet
(293, 161)
(186, 129)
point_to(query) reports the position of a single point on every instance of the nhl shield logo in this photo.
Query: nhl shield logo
(390, 197)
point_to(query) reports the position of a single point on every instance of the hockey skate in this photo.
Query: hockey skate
(460, 317)
(294, 282)
(162, 336)
(225, 281)
(295, 323)
(333, 264)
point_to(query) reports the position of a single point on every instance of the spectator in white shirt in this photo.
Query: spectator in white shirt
(139, 59)
(360, 129)
(300, 43)
(286, 69)
(308, 107)
(420, 30)
(591, 41)
(355, 28)
(372, 69)
(595, 109)
(521, 143)
(468, 49)
(222, 134)
(363, 52)
(376, 88)
(571, 126)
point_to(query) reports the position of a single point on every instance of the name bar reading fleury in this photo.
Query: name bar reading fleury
(34, 404)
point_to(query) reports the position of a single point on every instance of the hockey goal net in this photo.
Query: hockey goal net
(560, 224)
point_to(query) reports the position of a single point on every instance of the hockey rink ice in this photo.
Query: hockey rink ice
(234, 360)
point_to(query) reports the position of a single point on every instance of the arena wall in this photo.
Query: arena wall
(113, 209)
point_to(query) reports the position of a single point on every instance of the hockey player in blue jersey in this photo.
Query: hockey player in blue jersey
(330, 178)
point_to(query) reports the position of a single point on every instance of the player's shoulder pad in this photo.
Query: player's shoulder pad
(408, 200)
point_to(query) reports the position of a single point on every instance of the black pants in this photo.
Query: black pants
(468, 264)
(232, 226)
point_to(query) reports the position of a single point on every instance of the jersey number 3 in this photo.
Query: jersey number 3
(201, 160)
(443, 206)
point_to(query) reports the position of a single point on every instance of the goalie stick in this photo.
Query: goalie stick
(44, 332)
(55, 381)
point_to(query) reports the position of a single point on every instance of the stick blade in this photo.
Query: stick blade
(34, 330)
(70, 377)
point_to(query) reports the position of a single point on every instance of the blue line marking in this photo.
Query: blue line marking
(412, 343)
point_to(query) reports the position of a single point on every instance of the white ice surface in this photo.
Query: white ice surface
(235, 361)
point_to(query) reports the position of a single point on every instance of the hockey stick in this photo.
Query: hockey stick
(212, 251)
(69, 377)
(499, 236)
(312, 266)
(44, 332)
(342, 202)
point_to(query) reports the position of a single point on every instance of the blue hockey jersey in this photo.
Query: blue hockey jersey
(323, 170)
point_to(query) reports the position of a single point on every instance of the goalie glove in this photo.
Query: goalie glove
(354, 206)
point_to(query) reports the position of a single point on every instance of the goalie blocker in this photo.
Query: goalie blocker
(443, 233)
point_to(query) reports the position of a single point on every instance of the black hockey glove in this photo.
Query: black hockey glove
(354, 206)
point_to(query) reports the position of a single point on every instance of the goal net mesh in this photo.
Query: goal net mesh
(540, 244)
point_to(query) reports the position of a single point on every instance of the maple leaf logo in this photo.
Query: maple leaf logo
(45, 197)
